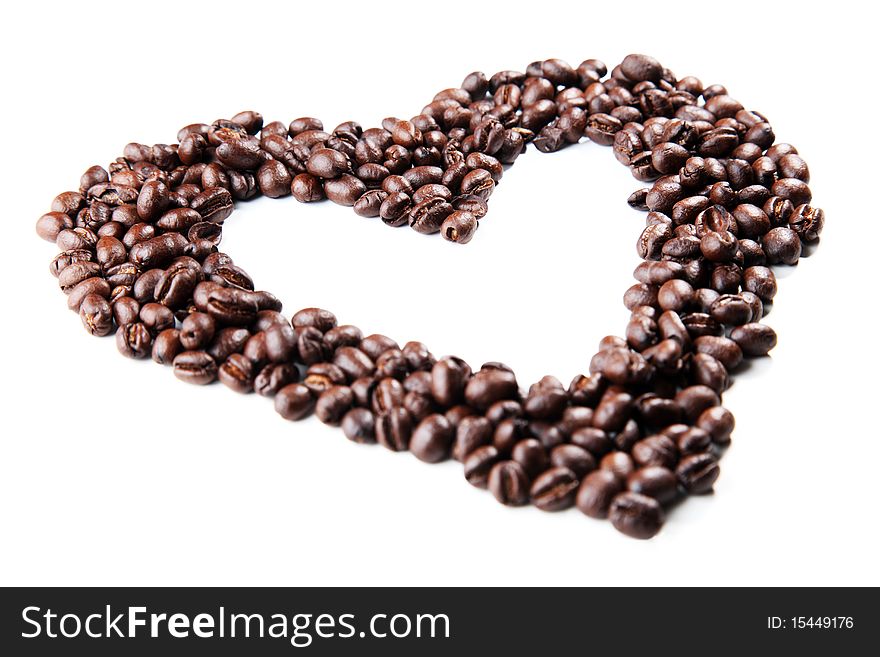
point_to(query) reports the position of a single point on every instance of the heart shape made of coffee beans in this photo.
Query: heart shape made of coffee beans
(643, 429)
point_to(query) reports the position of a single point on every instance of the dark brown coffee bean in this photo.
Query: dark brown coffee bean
(509, 483)
(96, 315)
(333, 403)
(459, 226)
(655, 450)
(782, 245)
(237, 373)
(636, 515)
(577, 459)
(134, 340)
(488, 386)
(554, 489)
(596, 492)
(754, 339)
(394, 428)
(195, 367)
(479, 463)
(294, 401)
(654, 481)
(273, 377)
(697, 472)
(472, 432)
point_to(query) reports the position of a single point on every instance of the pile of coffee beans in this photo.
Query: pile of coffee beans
(644, 428)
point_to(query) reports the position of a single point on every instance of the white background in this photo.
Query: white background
(113, 472)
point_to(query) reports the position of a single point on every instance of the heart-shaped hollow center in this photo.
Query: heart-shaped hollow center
(537, 288)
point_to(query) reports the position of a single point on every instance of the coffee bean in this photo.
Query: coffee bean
(294, 401)
(697, 472)
(195, 367)
(459, 226)
(96, 315)
(636, 515)
(471, 433)
(306, 188)
(654, 481)
(237, 373)
(134, 340)
(479, 464)
(782, 245)
(333, 404)
(596, 492)
(273, 377)
(432, 439)
(488, 386)
(577, 459)
(554, 489)
(754, 339)
(655, 450)
(394, 428)
(509, 483)
(427, 217)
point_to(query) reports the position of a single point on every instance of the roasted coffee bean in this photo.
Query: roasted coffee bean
(697, 472)
(274, 179)
(508, 432)
(230, 306)
(731, 309)
(377, 344)
(635, 515)
(472, 432)
(358, 425)
(333, 403)
(754, 339)
(619, 463)
(725, 350)
(306, 188)
(166, 346)
(554, 489)
(488, 386)
(546, 404)
(427, 217)
(509, 483)
(394, 428)
(596, 492)
(782, 245)
(327, 163)
(214, 204)
(577, 459)
(197, 330)
(432, 439)
(226, 341)
(531, 455)
(237, 373)
(273, 377)
(156, 317)
(344, 190)
(96, 315)
(718, 422)
(655, 450)
(654, 481)
(134, 340)
(294, 401)
(760, 281)
(195, 367)
(479, 463)
(807, 222)
(125, 310)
